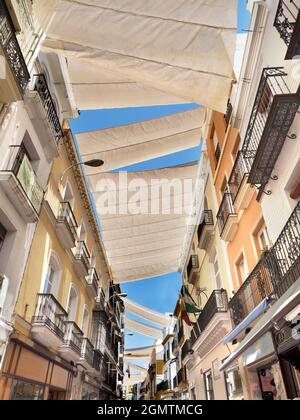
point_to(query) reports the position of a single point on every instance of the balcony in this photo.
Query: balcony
(240, 191)
(253, 291)
(272, 115)
(287, 23)
(42, 111)
(21, 185)
(206, 230)
(73, 343)
(227, 218)
(66, 226)
(48, 325)
(13, 85)
(228, 114)
(286, 253)
(213, 323)
(193, 269)
(82, 259)
(92, 283)
(87, 354)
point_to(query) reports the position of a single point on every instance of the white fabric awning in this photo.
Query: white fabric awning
(146, 313)
(143, 328)
(144, 245)
(139, 353)
(183, 49)
(128, 144)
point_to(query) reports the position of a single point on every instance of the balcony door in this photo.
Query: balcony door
(72, 306)
(52, 281)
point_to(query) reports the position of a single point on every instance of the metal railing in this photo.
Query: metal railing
(217, 154)
(226, 210)
(208, 221)
(217, 303)
(66, 215)
(87, 351)
(193, 264)
(97, 360)
(240, 170)
(286, 252)
(12, 50)
(83, 254)
(93, 279)
(253, 291)
(19, 164)
(73, 336)
(286, 22)
(272, 115)
(49, 312)
(41, 87)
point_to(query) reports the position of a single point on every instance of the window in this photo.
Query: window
(263, 238)
(234, 384)
(68, 195)
(3, 233)
(209, 389)
(52, 280)
(72, 307)
(85, 321)
(217, 271)
(241, 269)
(22, 391)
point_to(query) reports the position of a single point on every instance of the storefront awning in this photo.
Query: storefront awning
(260, 309)
(178, 49)
(283, 306)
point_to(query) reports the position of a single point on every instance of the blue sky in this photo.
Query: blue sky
(160, 293)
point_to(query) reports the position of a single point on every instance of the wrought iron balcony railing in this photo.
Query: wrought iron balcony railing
(240, 170)
(40, 86)
(73, 337)
(83, 254)
(286, 252)
(254, 290)
(66, 215)
(193, 264)
(12, 50)
(49, 312)
(20, 165)
(97, 360)
(217, 303)
(87, 351)
(226, 210)
(272, 115)
(287, 23)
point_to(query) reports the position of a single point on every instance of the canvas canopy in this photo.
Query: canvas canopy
(143, 328)
(174, 48)
(125, 145)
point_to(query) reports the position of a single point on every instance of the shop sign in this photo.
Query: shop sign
(262, 348)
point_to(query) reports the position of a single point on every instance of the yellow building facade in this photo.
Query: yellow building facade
(56, 349)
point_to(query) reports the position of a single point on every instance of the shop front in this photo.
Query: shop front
(30, 373)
